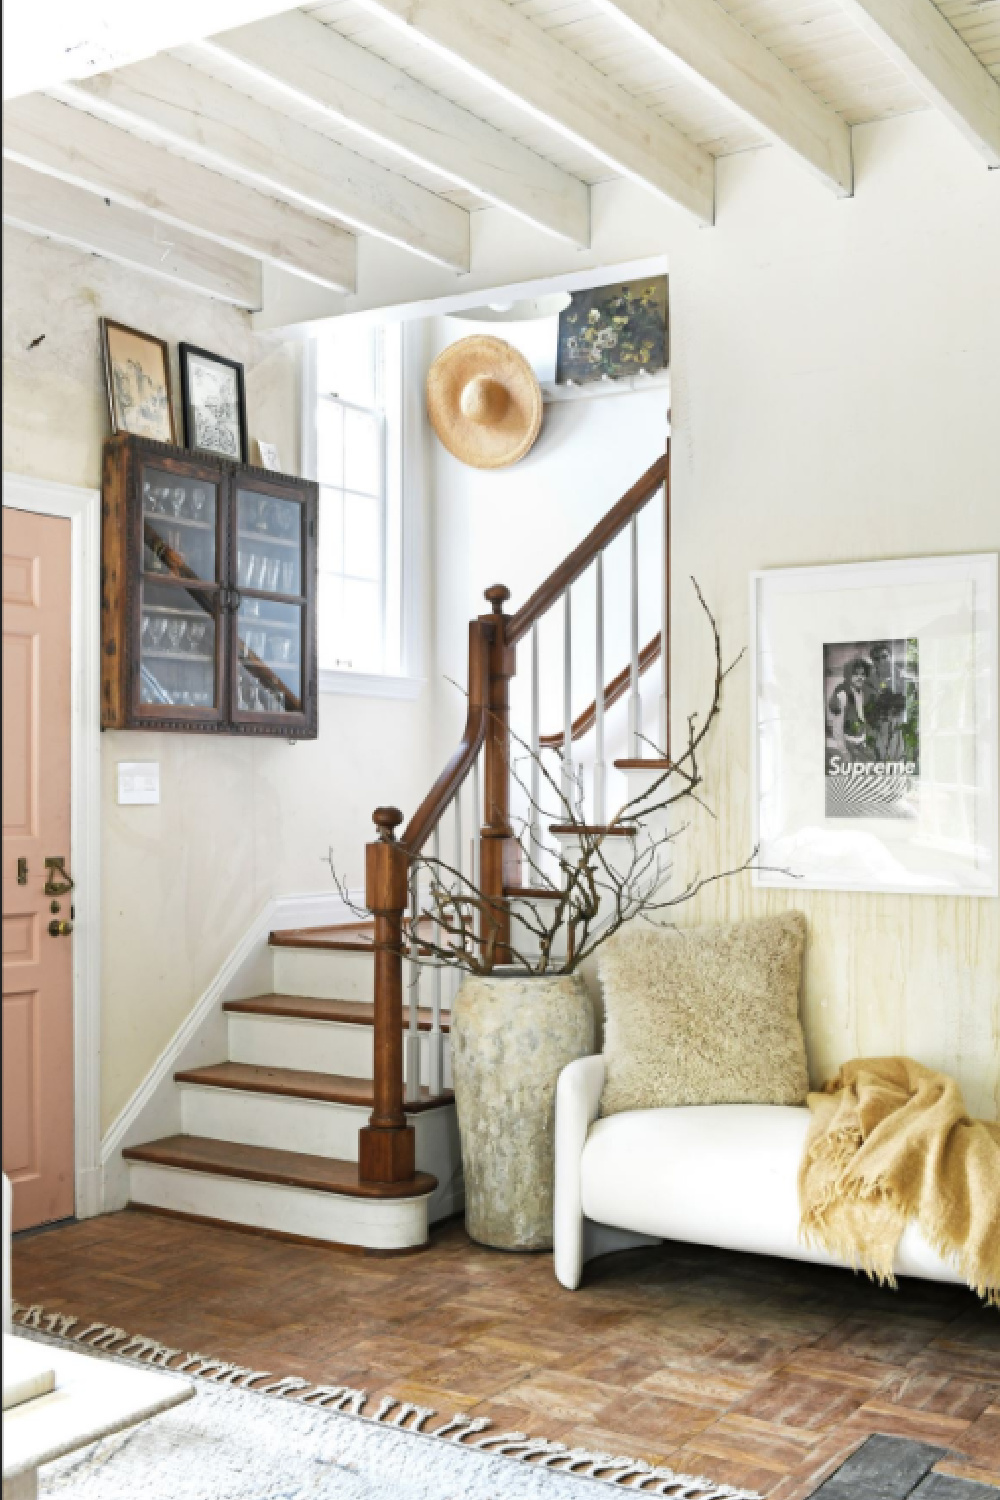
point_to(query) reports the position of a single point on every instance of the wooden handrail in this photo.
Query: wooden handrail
(616, 688)
(580, 559)
(420, 827)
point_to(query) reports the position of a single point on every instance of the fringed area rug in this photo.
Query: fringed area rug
(249, 1435)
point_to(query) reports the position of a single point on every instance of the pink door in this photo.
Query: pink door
(38, 1141)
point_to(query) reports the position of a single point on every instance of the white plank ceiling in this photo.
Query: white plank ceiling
(297, 133)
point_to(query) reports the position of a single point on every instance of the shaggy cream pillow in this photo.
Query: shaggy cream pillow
(704, 1015)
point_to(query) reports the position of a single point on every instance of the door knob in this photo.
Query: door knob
(60, 929)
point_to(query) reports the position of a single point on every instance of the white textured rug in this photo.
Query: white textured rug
(247, 1435)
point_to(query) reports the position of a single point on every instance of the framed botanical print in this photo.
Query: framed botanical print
(137, 377)
(875, 743)
(214, 402)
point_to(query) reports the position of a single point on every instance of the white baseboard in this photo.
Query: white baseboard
(154, 1109)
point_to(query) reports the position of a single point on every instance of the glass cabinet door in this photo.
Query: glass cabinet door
(270, 572)
(180, 624)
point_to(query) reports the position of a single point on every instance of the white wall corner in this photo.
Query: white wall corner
(154, 1109)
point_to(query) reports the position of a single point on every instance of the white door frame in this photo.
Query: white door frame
(82, 508)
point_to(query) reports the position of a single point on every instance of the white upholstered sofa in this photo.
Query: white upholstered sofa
(718, 1174)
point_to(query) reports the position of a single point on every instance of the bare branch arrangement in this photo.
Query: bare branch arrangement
(606, 877)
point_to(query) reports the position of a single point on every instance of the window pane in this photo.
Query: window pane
(362, 543)
(331, 531)
(362, 466)
(269, 556)
(345, 364)
(362, 625)
(330, 613)
(329, 443)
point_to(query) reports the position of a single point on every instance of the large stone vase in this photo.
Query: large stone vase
(511, 1036)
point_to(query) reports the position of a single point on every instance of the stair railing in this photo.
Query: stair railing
(481, 770)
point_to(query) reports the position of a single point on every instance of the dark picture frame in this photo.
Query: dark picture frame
(137, 382)
(215, 421)
(614, 332)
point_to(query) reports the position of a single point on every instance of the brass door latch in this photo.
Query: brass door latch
(60, 929)
(57, 866)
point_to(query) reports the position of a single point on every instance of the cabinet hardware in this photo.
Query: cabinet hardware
(60, 929)
(22, 872)
(56, 865)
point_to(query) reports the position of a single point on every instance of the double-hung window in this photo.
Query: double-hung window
(356, 406)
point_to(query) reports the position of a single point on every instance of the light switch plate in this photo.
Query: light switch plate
(138, 782)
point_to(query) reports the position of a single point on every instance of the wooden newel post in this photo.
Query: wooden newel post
(500, 850)
(386, 1149)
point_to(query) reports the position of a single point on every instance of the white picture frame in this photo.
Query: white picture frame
(874, 726)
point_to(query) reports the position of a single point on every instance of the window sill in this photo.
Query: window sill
(369, 685)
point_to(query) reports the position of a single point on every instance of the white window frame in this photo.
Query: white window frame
(400, 456)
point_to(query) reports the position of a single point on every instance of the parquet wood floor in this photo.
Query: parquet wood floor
(762, 1373)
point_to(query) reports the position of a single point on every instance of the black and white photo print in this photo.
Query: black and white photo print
(871, 694)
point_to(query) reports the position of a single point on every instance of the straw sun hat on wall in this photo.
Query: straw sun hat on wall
(484, 402)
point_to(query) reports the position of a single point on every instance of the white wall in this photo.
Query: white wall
(239, 819)
(835, 392)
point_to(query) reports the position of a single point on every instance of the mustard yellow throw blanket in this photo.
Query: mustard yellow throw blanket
(891, 1141)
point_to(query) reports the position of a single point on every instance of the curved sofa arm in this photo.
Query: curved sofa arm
(578, 1099)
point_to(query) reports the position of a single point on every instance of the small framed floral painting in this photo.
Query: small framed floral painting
(613, 332)
(875, 741)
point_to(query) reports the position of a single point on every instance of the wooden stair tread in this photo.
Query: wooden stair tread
(299, 1083)
(613, 831)
(321, 1174)
(314, 1008)
(354, 937)
(640, 763)
(533, 892)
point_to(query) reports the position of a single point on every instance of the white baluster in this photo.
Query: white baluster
(435, 1042)
(567, 756)
(665, 629)
(412, 1091)
(600, 765)
(534, 814)
(635, 700)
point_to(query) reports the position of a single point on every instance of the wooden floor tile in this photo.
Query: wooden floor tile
(758, 1372)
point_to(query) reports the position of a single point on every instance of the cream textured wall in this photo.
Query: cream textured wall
(836, 390)
(239, 820)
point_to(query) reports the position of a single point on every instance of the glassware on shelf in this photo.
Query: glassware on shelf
(287, 576)
(176, 633)
(146, 630)
(282, 648)
(158, 632)
(197, 636)
(199, 503)
(178, 499)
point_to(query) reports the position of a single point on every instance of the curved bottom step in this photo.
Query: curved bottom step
(279, 1192)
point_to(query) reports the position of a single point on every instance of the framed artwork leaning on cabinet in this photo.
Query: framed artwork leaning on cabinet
(213, 396)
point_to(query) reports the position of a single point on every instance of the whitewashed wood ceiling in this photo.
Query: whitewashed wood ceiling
(283, 140)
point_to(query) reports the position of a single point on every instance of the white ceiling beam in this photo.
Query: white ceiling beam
(46, 206)
(517, 59)
(51, 41)
(326, 72)
(726, 59)
(220, 126)
(88, 153)
(934, 57)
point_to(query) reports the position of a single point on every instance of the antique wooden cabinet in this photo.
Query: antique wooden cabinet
(208, 594)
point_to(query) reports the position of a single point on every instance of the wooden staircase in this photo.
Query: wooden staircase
(331, 1119)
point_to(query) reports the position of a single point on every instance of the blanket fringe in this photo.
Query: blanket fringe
(629, 1475)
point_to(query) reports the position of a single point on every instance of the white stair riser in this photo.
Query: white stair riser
(377, 1223)
(319, 1046)
(276, 1120)
(327, 973)
(320, 1129)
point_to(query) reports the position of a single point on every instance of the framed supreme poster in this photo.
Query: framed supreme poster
(875, 749)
